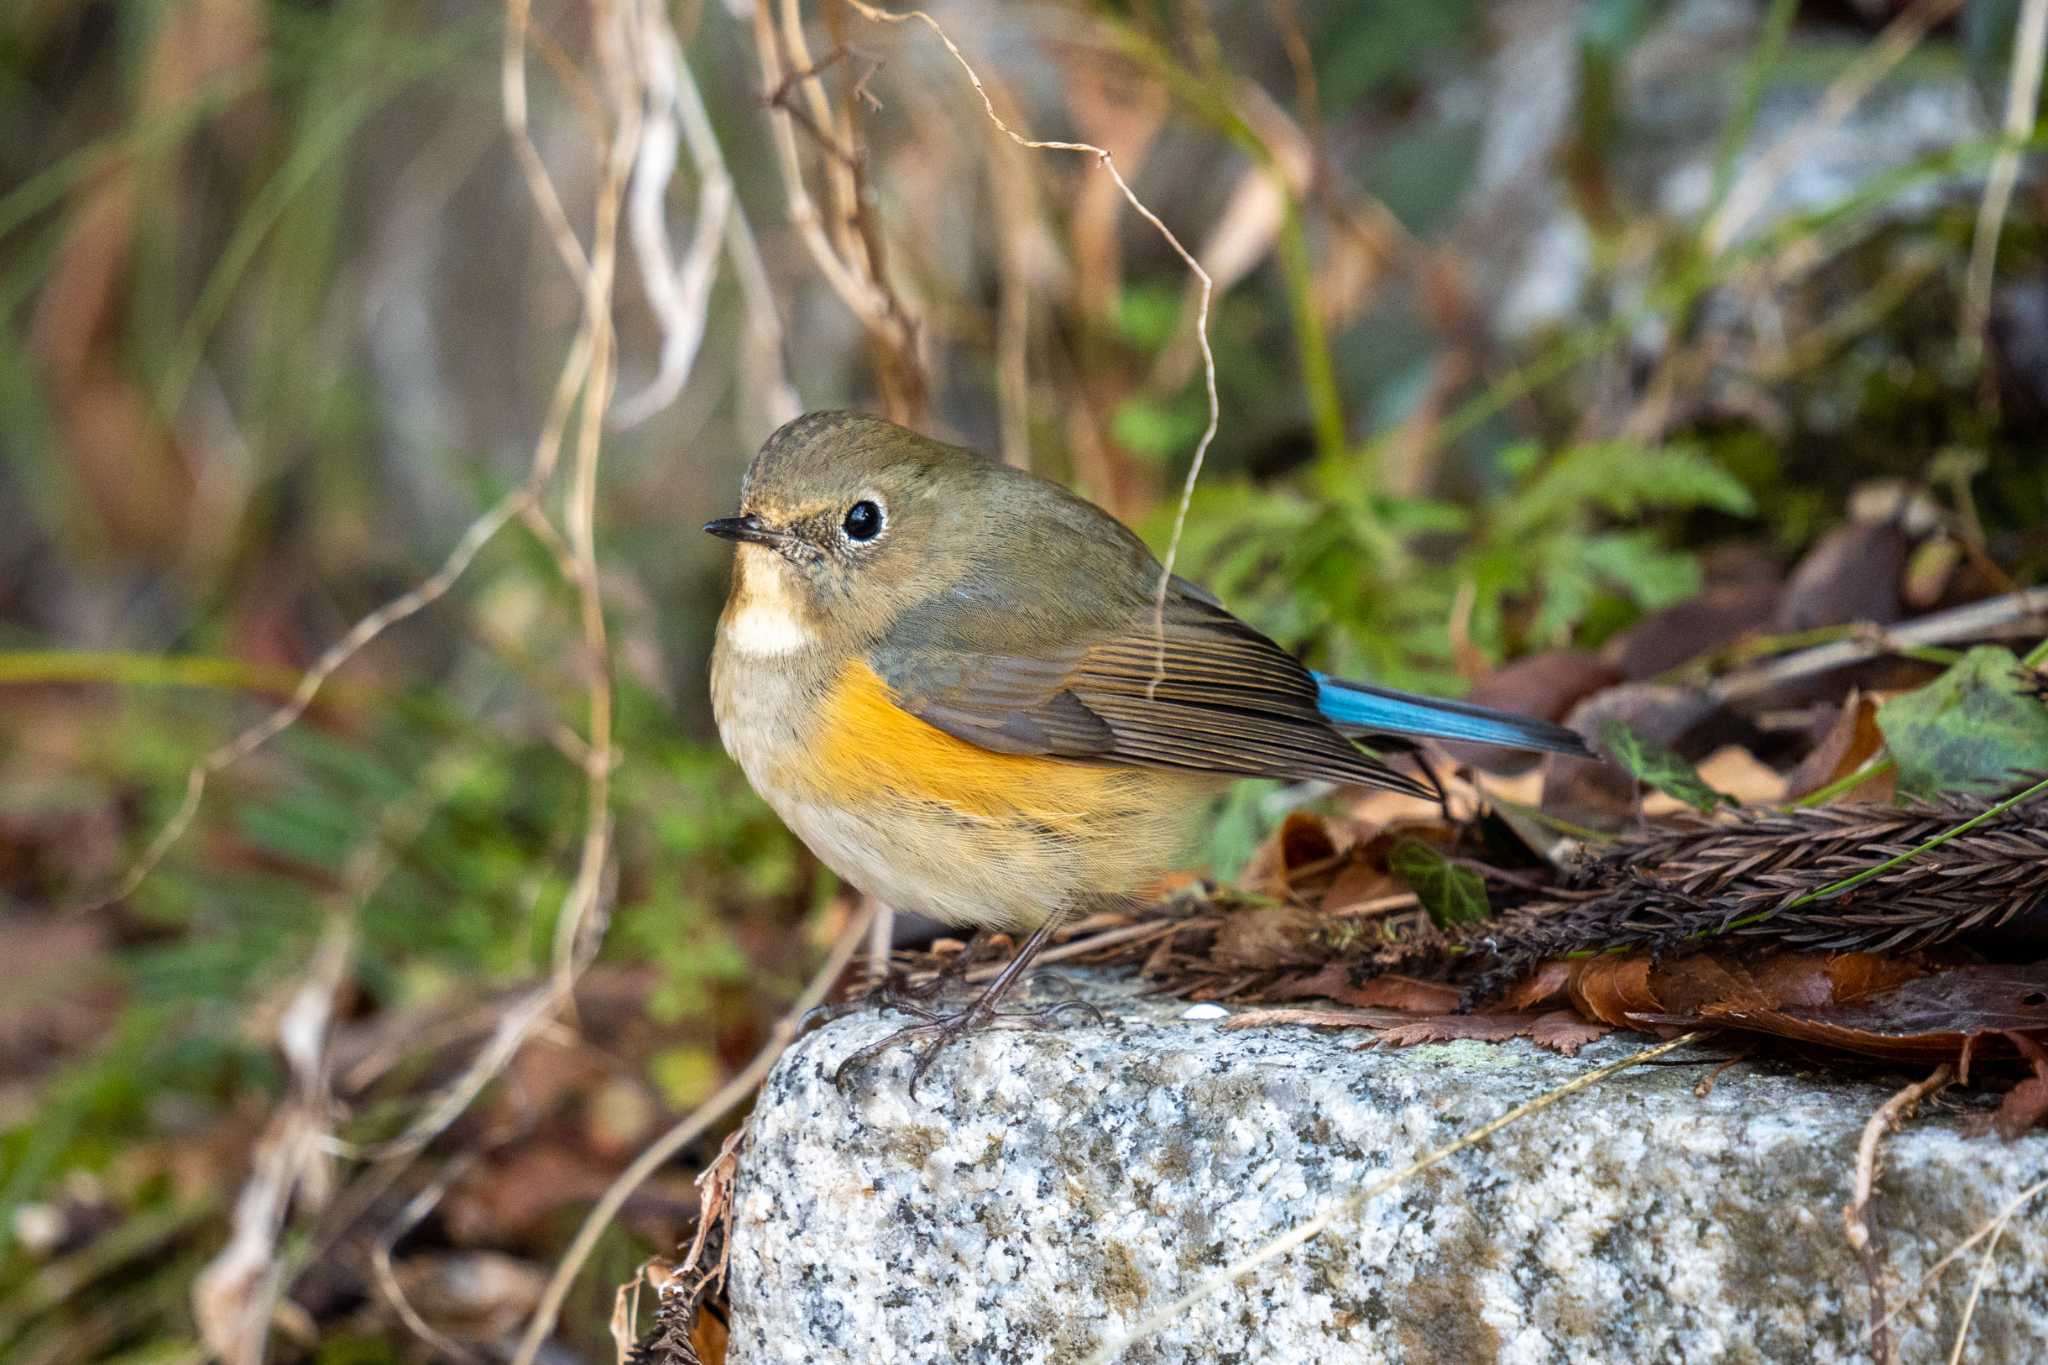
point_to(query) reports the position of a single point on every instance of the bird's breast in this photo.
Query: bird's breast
(932, 823)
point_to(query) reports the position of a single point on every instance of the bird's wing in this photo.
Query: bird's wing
(1194, 688)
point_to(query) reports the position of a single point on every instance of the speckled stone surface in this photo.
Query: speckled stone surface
(1048, 1189)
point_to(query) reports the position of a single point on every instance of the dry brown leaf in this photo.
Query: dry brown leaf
(1358, 882)
(1260, 939)
(2024, 1106)
(1684, 631)
(1565, 1032)
(1304, 841)
(1929, 1017)
(1559, 1030)
(1546, 983)
(1852, 573)
(1314, 1018)
(1852, 740)
(1406, 994)
(1325, 983)
(1612, 990)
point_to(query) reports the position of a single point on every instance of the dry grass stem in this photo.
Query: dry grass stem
(235, 1296)
(730, 1096)
(1351, 1204)
(1138, 206)
(768, 383)
(850, 265)
(385, 1274)
(2022, 99)
(578, 926)
(1754, 187)
(1955, 1355)
(1989, 1227)
(1856, 1213)
(679, 297)
(1975, 620)
(581, 363)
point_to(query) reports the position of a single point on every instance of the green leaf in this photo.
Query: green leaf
(1145, 315)
(1451, 894)
(1976, 728)
(1636, 564)
(1157, 429)
(1623, 480)
(1657, 766)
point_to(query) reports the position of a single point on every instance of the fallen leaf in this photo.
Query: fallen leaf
(1736, 773)
(1614, 989)
(1928, 1018)
(1547, 982)
(2024, 1106)
(1264, 937)
(1564, 1031)
(1851, 574)
(1559, 1030)
(1451, 894)
(1974, 729)
(1659, 766)
(1852, 739)
(1407, 994)
(1702, 983)
(1358, 882)
(1303, 841)
(1313, 1019)
(1686, 630)
(1603, 795)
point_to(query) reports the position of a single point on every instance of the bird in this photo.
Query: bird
(979, 697)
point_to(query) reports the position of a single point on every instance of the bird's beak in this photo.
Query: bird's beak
(749, 529)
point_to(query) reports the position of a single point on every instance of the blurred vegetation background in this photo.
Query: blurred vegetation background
(1529, 317)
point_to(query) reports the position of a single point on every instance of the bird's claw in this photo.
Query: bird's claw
(933, 1032)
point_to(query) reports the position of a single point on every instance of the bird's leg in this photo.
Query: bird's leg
(1436, 784)
(897, 990)
(935, 1030)
(894, 991)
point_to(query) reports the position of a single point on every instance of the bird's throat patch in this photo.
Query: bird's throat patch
(765, 618)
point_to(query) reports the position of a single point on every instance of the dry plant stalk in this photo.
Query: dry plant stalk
(1753, 188)
(1990, 1227)
(1856, 1213)
(1138, 206)
(2022, 98)
(235, 1296)
(730, 1096)
(1738, 880)
(851, 267)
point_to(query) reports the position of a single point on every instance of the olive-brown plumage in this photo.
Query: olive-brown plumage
(961, 685)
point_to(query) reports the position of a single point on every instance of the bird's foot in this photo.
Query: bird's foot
(895, 991)
(928, 1037)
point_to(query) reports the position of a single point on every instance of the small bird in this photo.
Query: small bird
(957, 683)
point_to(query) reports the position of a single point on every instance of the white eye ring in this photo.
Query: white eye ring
(864, 521)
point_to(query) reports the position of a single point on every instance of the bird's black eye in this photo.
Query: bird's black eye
(863, 521)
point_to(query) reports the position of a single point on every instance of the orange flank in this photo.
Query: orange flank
(870, 750)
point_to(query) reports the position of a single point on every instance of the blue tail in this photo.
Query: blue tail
(1355, 706)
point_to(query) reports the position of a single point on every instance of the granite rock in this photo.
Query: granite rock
(1045, 1190)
